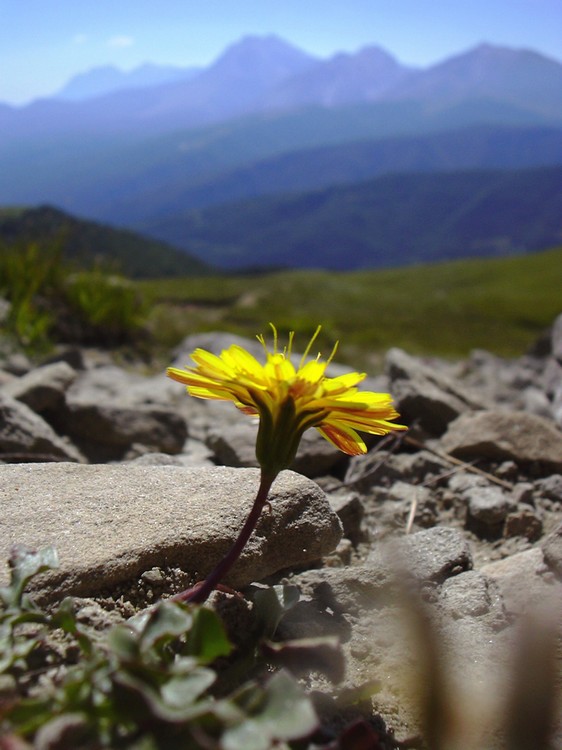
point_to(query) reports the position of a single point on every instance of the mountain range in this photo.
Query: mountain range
(108, 79)
(393, 220)
(267, 120)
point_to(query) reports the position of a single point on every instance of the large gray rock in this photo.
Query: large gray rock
(499, 435)
(110, 384)
(24, 433)
(235, 445)
(107, 431)
(42, 388)
(425, 394)
(112, 523)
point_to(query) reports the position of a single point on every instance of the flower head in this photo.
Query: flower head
(288, 399)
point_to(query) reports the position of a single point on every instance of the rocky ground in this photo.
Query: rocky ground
(142, 489)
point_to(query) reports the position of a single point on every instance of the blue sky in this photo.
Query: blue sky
(43, 43)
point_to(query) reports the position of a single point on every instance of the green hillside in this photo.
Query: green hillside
(501, 305)
(393, 220)
(85, 242)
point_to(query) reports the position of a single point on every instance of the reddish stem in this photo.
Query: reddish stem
(201, 591)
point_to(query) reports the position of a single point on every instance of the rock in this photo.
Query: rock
(235, 445)
(430, 555)
(471, 594)
(349, 509)
(498, 435)
(112, 523)
(523, 492)
(425, 395)
(109, 384)
(105, 431)
(192, 457)
(523, 522)
(72, 355)
(551, 487)
(552, 551)
(316, 456)
(350, 590)
(5, 309)
(435, 554)
(214, 342)
(17, 363)
(551, 377)
(524, 580)
(42, 388)
(557, 339)
(486, 511)
(404, 497)
(371, 470)
(26, 434)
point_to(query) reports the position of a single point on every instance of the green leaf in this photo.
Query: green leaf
(166, 621)
(64, 617)
(123, 642)
(322, 654)
(183, 690)
(25, 563)
(139, 700)
(285, 713)
(207, 639)
(271, 604)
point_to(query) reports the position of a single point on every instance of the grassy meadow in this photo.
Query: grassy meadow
(444, 309)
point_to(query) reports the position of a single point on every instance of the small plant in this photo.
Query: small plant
(108, 306)
(49, 300)
(150, 684)
(29, 275)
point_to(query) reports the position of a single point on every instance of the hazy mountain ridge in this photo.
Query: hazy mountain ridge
(488, 71)
(84, 242)
(267, 118)
(108, 79)
(263, 74)
(355, 161)
(393, 220)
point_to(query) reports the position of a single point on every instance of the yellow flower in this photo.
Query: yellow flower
(289, 400)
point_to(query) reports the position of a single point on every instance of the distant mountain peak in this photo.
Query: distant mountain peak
(270, 53)
(108, 79)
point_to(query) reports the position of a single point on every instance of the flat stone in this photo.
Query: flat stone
(499, 435)
(110, 524)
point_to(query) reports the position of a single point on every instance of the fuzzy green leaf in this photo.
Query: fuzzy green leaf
(24, 564)
(271, 604)
(207, 639)
(284, 713)
(166, 621)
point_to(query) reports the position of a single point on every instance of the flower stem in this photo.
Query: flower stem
(201, 591)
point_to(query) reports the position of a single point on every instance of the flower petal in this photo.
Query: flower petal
(344, 438)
